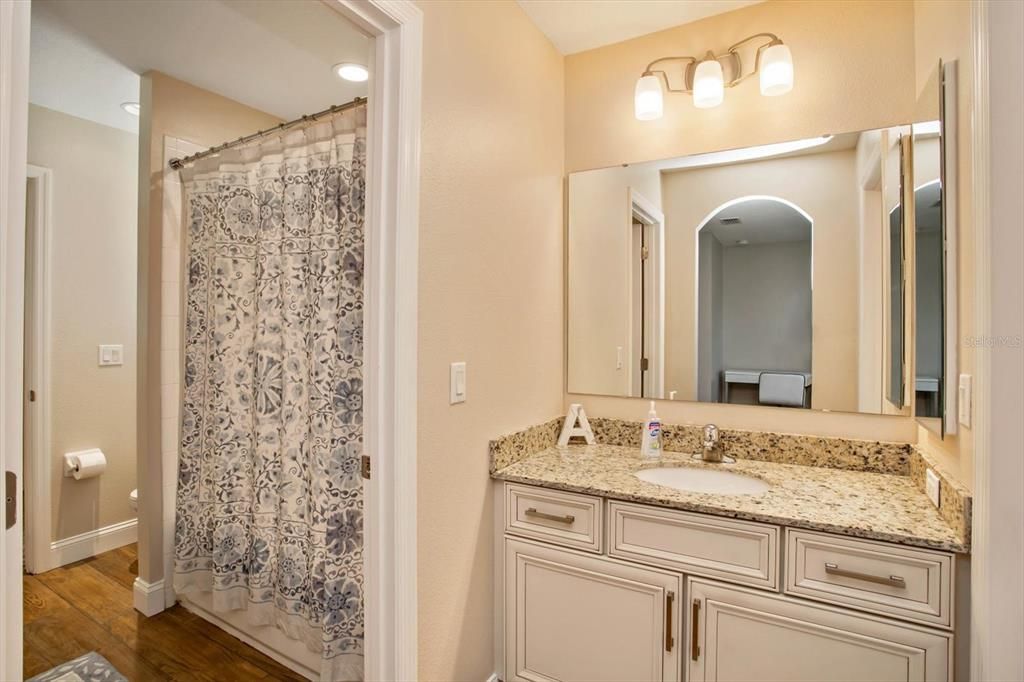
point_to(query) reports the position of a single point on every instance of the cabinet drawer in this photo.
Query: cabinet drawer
(565, 518)
(913, 584)
(697, 544)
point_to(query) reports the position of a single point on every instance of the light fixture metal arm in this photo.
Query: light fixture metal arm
(689, 63)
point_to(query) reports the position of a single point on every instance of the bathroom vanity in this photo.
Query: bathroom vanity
(805, 275)
(828, 574)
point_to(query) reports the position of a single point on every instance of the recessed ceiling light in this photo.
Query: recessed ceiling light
(351, 72)
(131, 107)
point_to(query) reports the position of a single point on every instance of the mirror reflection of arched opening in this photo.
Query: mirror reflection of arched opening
(754, 291)
(928, 351)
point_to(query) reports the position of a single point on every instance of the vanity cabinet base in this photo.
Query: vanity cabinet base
(735, 634)
(575, 617)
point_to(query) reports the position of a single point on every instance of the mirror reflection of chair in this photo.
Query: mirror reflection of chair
(754, 311)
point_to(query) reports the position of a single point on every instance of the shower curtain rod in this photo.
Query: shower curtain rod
(178, 164)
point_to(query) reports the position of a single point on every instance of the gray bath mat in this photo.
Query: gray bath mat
(88, 668)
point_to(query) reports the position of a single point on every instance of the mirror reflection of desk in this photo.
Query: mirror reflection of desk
(752, 378)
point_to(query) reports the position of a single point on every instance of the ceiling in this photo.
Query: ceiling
(578, 25)
(762, 221)
(86, 55)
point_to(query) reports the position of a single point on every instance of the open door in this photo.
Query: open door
(14, 43)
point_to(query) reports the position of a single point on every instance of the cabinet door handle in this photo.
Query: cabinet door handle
(670, 600)
(568, 518)
(892, 580)
(695, 630)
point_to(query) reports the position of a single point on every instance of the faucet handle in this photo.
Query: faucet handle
(711, 433)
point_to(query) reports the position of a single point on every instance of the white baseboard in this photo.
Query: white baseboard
(494, 678)
(148, 597)
(89, 544)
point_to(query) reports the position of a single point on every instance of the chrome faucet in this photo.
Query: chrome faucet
(712, 452)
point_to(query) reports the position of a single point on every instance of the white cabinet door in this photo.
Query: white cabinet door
(570, 616)
(737, 634)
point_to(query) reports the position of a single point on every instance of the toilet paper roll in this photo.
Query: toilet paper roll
(85, 463)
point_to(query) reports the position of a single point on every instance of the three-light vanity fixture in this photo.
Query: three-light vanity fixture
(705, 78)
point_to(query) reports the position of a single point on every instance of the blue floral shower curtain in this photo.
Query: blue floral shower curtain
(269, 502)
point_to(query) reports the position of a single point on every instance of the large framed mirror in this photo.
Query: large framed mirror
(934, 234)
(772, 275)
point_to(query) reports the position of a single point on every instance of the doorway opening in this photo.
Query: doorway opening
(754, 308)
(152, 82)
(646, 268)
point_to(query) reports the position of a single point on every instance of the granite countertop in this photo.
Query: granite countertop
(877, 506)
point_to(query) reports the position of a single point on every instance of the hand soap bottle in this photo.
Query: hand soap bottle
(650, 446)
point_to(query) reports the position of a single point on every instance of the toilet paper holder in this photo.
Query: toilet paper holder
(84, 463)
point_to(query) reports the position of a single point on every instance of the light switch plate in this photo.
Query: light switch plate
(931, 486)
(964, 400)
(457, 383)
(110, 355)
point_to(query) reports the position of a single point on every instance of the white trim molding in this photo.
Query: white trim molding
(38, 304)
(89, 544)
(980, 148)
(392, 252)
(997, 591)
(148, 598)
(14, 52)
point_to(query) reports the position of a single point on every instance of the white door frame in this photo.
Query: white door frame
(14, 50)
(392, 222)
(36, 515)
(997, 549)
(392, 252)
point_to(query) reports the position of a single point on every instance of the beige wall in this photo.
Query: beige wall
(943, 31)
(822, 185)
(92, 287)
(490, 293)
(871, 330)
(170, 108)
(854, 66)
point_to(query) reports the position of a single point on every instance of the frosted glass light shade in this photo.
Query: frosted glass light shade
(776, 71)
(708, 85)
(647, 99)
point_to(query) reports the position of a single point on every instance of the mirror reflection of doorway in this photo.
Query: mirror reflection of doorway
(646, 339)
(642, 297)
(754, 303)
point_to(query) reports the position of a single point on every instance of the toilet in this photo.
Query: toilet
(133, 499)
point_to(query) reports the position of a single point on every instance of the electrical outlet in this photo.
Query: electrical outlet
(931, 487)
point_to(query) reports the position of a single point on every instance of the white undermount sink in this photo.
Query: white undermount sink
(703, 480)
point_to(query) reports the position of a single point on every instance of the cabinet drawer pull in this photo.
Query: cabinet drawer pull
(892, 580)
(568, 518)
(694, 630)
(670, 600)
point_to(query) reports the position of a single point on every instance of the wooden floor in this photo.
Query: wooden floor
(87, 606)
